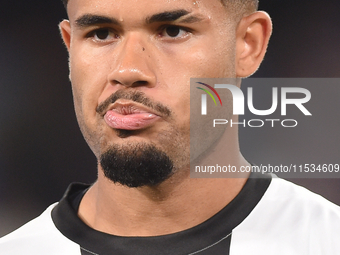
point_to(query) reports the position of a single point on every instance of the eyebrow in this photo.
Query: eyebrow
(87, 20)
(172, 16)
(91, 20)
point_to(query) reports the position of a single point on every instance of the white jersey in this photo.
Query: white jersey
(270, 216)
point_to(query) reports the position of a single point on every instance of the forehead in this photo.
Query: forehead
(136, 10)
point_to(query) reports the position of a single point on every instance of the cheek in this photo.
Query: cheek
(215, 62)
(88, 78)
(87, 83)
(193, 62)
(199, 62)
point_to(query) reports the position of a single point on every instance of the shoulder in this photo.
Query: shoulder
(297, 200)
(39, 236)
(290, 219)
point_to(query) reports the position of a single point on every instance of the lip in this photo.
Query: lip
(127, 115)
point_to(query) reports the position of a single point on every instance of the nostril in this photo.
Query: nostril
(140, 83)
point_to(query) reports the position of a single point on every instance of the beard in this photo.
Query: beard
(136, 165)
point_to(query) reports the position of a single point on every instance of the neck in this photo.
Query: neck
(177, 204)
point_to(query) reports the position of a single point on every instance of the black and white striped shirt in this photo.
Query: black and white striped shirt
(270, 216)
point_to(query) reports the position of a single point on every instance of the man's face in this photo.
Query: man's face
(131, 62)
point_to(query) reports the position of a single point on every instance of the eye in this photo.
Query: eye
(173, 32)
(102, 34)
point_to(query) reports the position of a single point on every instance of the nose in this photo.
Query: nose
(132, 65)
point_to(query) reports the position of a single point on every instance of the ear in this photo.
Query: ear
(252, 37)
(65, 31)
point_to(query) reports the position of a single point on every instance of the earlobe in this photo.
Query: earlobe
(65, 31)
(252, 37)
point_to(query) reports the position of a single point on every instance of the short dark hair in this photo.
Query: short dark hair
(247, 5)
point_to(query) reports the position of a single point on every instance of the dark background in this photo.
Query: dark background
(41, 147)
